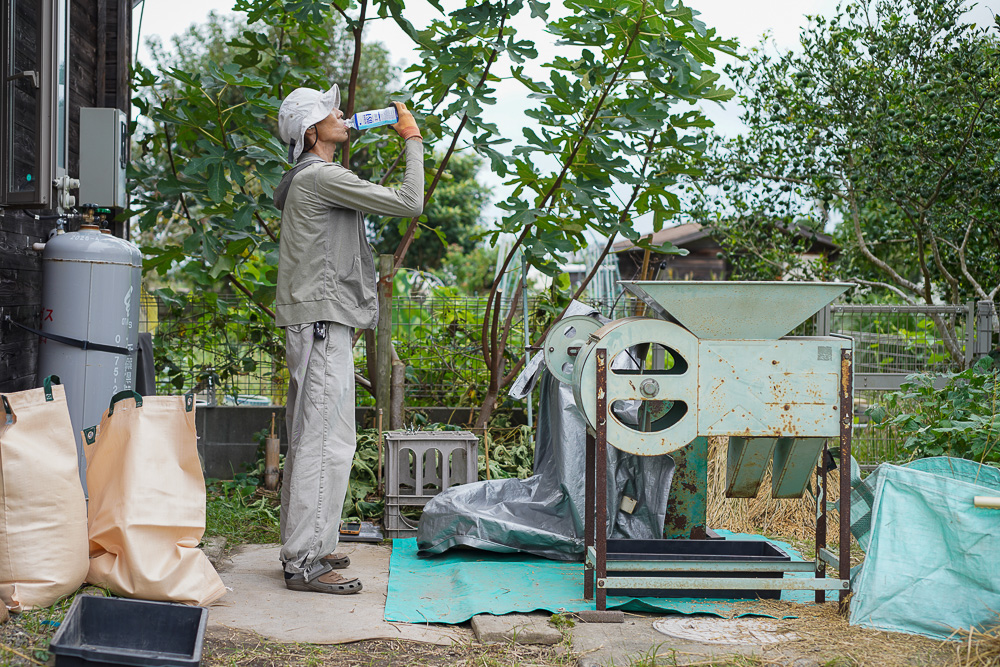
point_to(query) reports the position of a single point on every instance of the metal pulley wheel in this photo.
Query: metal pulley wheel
(678, 386)
(563, 344)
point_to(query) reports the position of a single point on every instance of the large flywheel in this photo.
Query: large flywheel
(670, 393)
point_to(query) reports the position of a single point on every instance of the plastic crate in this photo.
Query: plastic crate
(421, 464)
(99, 631)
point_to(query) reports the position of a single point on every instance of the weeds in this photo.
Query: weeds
(236, 512)
(562, 622)
(24, 639)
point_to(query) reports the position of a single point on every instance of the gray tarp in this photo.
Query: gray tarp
(543, 515)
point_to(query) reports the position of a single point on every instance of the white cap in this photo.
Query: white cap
(301, 109)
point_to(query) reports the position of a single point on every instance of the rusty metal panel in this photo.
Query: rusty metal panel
(601, 472)
(794, 464)
(746, 462)
(687, 505)
(829, 558)
(781, 388)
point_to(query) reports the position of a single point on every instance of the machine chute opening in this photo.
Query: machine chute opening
(649, 359)
(648, 415)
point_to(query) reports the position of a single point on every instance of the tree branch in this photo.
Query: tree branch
(243, 288)
(411, 228)
(545, 200)
(926, 291)
(939, 263)
(636, 190)
(892, 288)
(863, 246)
(358, 29)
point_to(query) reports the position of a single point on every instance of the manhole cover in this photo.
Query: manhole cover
(754, 631)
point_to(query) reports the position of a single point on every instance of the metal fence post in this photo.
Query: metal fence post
(822, 321)
(985, 314)
(383, 334)
(526, 314)
(970, 324)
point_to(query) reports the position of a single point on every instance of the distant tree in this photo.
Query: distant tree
(887, 118)
(452, 219)
(470, 271)
(164, 146)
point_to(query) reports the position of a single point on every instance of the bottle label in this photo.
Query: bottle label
(375, 118)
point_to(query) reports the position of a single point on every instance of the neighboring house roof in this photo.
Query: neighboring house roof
(678, 235)
(681, 235)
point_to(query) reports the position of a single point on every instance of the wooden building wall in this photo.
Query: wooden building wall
(99, 62)
(701, 263)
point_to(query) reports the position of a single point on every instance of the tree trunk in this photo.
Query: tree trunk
(486, 409)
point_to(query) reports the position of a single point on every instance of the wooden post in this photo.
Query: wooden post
(272, 448)
(378, 473)
(383, 349)
(371, 367)
(397, 394)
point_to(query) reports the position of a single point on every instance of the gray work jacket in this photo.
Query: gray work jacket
(326, 272)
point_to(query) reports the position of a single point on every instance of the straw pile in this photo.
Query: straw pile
(789, 518)
(978, 649)
(826, 638)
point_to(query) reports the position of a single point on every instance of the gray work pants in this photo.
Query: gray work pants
(319, 417)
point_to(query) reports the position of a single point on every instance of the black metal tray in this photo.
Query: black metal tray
(99, 632)
(696, 550)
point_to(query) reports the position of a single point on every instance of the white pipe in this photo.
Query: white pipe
(987, 502)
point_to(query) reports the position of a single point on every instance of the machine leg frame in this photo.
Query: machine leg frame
(596, 519)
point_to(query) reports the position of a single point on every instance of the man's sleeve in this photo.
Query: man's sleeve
(342, 187)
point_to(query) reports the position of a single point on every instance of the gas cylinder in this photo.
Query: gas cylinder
(90, 295)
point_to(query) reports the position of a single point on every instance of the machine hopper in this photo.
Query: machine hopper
(736, 310)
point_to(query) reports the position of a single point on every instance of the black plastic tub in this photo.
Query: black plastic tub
(99, 632)
(703, 550)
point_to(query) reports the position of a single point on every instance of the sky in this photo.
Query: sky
(745, 20)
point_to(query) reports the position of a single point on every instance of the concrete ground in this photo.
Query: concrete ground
(258, 602)
(636, 642)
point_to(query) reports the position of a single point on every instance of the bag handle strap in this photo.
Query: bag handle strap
(47, 384)
(122, 395)
(7, 410)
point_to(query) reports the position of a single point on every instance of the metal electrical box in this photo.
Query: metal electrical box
(104, 148)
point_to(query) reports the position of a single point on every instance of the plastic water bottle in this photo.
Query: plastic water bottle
(369, 119)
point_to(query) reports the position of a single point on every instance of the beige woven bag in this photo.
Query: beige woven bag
(43, 513)
(147, 502)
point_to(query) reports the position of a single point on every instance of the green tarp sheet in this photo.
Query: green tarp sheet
(933, 558)
(459, 584)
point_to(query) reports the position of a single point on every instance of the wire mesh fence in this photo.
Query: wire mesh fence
(891, 342)
(221, 348)
(439, 340)
(905, 339)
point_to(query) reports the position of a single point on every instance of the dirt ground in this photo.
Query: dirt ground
(228, 647)
(825, 640)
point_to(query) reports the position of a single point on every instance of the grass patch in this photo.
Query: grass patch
(24, 639)
(237, 512)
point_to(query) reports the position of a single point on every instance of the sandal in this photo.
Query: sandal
(329, 582)
(336, 561)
